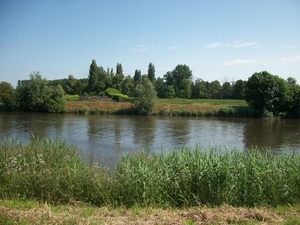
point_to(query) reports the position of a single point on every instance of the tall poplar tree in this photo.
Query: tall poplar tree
(93, 76)
(118, 78)
(151, 73)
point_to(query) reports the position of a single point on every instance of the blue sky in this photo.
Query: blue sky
(223, 40)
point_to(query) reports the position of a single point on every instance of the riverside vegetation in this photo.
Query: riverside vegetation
(264, 94)
(51, 171)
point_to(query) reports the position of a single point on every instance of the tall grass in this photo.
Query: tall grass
(192, 177)
(48, 170)
(51, 171)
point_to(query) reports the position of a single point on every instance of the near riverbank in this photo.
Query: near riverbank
(33, 212)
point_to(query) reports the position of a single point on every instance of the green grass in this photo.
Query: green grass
(50, 171)
(222, 102)
(115, 94)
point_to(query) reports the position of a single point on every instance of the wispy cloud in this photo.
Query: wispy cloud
(291, 59)
(141, 48)
(240, 44)
(239, 62)
(288, 46)
(236, 44)
(173, 47)
(214, 45)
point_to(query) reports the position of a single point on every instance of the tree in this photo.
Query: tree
(119, 76)
(137, 77)
(200, 89)
(185, 89)
(267, 93)
(226, 90)
(145, 96)
(238, 91)
(215, 89)
(71, 83)
(293, 102)
(56, 101)
(151, 73)
(160, 87)
(7, 96)
(127, 86)
(180, 73)
(169, 91)
(93, 76)
(35, 95)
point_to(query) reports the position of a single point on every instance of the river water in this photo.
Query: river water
(110, 136)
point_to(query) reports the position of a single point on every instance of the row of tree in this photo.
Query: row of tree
(177, 83)
(270, 94)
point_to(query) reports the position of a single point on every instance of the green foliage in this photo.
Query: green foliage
(205, 90)
(56, 102)
(137, 77)
(127, 86)
(270, 95)
(118, 77)
(145, 96)
(93, 76)
(151, 73)
(114, 94)
(35, 95)
(177, 77)
(239, 89)
(293, 102)
(72, 97)
(7, 96)
(226, 90)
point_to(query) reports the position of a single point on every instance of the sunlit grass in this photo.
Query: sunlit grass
(228, 102)
(50, 171)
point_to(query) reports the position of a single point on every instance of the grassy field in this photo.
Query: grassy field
(168, 107)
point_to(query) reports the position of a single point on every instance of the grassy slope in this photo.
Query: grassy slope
(31, 212)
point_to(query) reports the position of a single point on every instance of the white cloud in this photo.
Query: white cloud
(173, 47)
(292, 59)
(239, 61)
(236, 44)
(141, 48)
(288, 46)
(214, 45)
(240, 44)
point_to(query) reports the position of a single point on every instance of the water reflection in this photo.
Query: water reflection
(143, 133)
(278, 135)
(111, 136)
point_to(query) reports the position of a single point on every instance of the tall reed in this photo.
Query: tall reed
(192, 177)
(49, 170)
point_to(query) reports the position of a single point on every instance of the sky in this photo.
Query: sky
(222, 40)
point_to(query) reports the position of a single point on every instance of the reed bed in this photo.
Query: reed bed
(49, 170)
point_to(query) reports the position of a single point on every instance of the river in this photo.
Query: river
(110, 136)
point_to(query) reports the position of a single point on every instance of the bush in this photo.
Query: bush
(114, 94)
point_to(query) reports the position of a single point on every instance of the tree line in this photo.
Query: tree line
(177, 83)
(269, 94)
